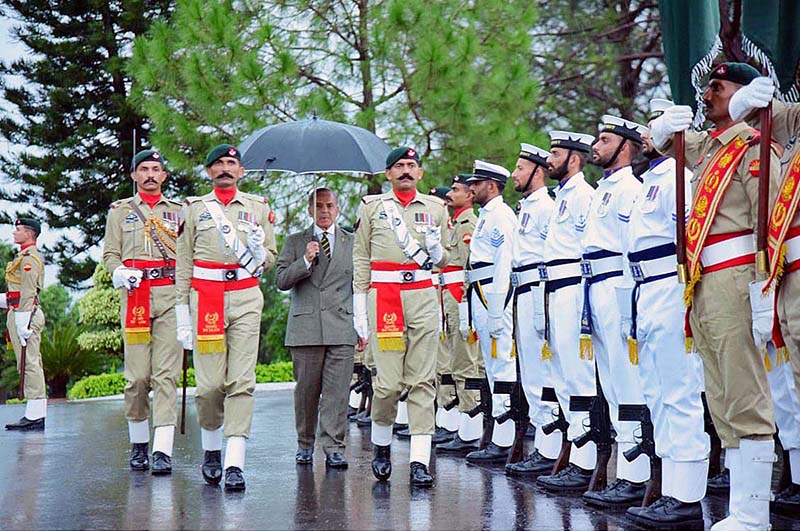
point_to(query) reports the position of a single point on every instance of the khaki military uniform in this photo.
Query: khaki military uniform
(155, 363)
(415, 366)
(721, 322)
(24, 279)
(226, 378)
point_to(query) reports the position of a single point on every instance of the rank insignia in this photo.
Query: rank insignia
(131, 218)
(496, 238)
(205, 215)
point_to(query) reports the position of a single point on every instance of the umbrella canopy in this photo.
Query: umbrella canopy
(314, 146)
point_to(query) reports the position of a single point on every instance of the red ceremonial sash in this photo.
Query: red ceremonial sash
(137, 314)
(456, 289)
(389, 305)
(211, 307)
(715, 180)
(780, 220)
(12, 299)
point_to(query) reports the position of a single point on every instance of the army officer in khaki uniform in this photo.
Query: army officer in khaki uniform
(226, 242)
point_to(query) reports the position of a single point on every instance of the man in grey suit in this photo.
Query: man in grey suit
(317, 266)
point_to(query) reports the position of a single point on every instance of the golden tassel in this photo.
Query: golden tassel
(689, 344)
(547, 354)
(391, 343)
(783, 352)
(767, 363)
(586, 351)
(778, 271)
(211, 346)
(472, 337)
(137, 337)
(442, 336)
(688, 291)
(633, 350)
(513, 349)
(494, 348)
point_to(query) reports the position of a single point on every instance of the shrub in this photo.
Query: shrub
(274, 372)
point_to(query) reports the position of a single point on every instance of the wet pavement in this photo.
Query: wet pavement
(75, 475)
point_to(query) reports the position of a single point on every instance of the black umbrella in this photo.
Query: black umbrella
(314, 146)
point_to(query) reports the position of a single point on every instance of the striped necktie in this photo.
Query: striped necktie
(326, 245)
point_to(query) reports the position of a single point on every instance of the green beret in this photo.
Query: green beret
(740, 73)
(30, 223)
(145, 156)
(461, 178)
(402, 152)
(440, 192)
(222, 150)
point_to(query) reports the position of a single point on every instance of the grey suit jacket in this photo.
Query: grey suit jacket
(321, 311)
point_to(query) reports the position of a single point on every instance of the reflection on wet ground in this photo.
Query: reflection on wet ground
(75, 475)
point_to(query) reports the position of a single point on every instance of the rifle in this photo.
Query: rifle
(183, 398)
(647, 446)
(560, 423)
(599, 432)
(447, 379)
(24, 348)
(484, 407)
(519, 412)
(714, 464)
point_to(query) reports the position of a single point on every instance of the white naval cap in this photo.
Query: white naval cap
(533, 154)
(622, 127)
(569, 140)
(657, 107)
(486, 170)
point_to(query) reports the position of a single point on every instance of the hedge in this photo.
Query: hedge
(114, 384)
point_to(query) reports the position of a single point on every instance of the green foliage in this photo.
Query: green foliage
(101, 341)
(273, 322)
(55, 302)
(64, 359)
(99, 311)
(274, 372)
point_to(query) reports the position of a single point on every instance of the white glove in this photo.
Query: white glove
(625, 311)
(3, 301)
(674, 120)
(126, 277)
(360, 322)
(496, 306)
(255, 242)
(463, 320)
(755, 95)
(22, 319)
(184, 328)
(762, 309)
(433, 243)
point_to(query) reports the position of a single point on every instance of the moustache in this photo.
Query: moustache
(150, 180)
(224, 175)
(405, 177)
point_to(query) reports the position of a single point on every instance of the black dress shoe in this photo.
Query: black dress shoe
(363, 420)
(351, 411)
(442, 435)
(403, 433)
(621, 493)
(304, 456)
(490, 454)
(787, 501)
(721, 482)
(162, 464)
(139, 459)
(457, 446)
(234, 479)
(534, 465)
(570, 479)
(668, 513)
(396, 427)
(212, 467)
(335, 460)
(382, 462)
(419, 476)
(26, 424)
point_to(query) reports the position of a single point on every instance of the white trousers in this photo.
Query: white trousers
(534, 371)
(501, 368)
(785, 401)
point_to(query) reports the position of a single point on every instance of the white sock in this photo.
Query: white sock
(381, 435)
(470, 428)
(163, 439)
(548, 445)
(234, 452)
(503, 434)
(402, 413)
(211, 439)
(139, 432)
(420, 451)
(794, 463)
(36, 409)
(439, 421)
(355, 399)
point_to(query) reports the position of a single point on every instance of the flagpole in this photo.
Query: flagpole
(680, 205)
(762, 262)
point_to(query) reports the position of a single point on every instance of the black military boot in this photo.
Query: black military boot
(234, 479)
(571, 479)
(668, 513)
(419, 476)
(363, 419)
(162, 464)
(382, 462)
(490, 454)
(457, 446)
(720, 482)
(442, 435)
(787, 501)
(212, 467)
(533, 465)
(26, 424)
(402, 433)
(139, 459)
(621, 493)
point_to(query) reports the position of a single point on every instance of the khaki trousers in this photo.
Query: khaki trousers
(35, 387)
(414, 368)
(736, 378)
(155, 365)
(445, 393)
(226, 381)
(466, 360)
(323, 376)
(789, 318)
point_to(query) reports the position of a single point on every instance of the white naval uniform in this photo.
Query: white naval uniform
(786, 402)
(530, 233)
(571, 375)
(671, 379)
(605, 229)
(491, 244)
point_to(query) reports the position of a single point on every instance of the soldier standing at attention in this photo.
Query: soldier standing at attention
(139, 252)
(226, 242)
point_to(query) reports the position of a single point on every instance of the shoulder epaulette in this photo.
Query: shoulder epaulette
(191, 199)
(433, 198)
(370, 198)
(120, 202)
(173, 201)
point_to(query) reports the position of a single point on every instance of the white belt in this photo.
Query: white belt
(400, 277)
(220, 275)
(482, 273)
(792, 249)
(652, 268)
(523, 278)
(559, 272)
(451, 277)
(599, 266)
(436, 279)
(723, 251)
